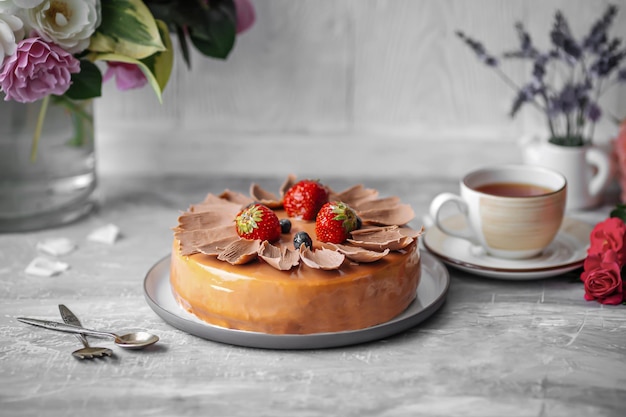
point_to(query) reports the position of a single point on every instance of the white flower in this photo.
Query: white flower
(68, 23)
(11, 32)
(9, 6)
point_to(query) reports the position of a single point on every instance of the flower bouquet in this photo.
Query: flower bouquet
(566, 81)
(606, 259)
(54, 57)
(49, 49)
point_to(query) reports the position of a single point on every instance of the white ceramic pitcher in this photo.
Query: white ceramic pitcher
(586, 168)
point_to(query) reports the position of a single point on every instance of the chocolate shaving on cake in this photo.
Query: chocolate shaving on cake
(388, 216)
(205, 220)
(379, 203)
(357, 254)
(240, 252)
(355, 195)
(281, 260)
(289, 182)
(381, 238)
(325, 259)
(236, 197)
(264, 197)
(216, 247)
(214, 202)
(191, 240)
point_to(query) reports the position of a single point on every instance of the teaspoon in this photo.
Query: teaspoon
(87, 352)
(135, 340)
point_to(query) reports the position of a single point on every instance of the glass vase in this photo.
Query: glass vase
(46, 181)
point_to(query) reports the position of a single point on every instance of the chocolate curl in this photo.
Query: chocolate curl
(289, 182)
(192, 240)
(378, 203)
(388, 216)
(264, 197)
(236, 197)
(240, 252)
(381, 238)
(217, 246)
(324, 259)
(214, 202)
(205, 220)
(283, 261)
(357, 254)
(355, 195)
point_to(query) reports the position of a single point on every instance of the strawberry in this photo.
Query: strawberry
(257, 221)
(334, 222)
(304, 199)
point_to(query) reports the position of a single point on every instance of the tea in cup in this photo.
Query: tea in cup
(513, 211)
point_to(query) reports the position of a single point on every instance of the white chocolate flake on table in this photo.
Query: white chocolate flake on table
(44, 267)
(56, 246)
(106, 234)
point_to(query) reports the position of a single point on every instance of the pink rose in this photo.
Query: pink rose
(127, 76)
(245, 15)
(602, 278)
(619, 157)
(609, 235)
(36, 70)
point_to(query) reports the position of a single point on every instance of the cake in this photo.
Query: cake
(271, 287)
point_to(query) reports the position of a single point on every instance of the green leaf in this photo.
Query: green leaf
(157, 68)
(574, 140)
(160, 64)
(619, 211)
(87, 83)
(184, 47)
(211, 25)
(215, 36)
(128, 28)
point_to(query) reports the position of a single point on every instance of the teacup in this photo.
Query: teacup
(513, 211)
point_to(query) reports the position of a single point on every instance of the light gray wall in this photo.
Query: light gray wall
(366, 86)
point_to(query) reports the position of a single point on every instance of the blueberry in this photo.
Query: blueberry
(302, 238)
(285, 225)
(359, 223)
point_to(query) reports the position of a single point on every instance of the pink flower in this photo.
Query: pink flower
(36, 70)
(602, 278)
(127, 76)
(619, 152)
(609, 234)
(245, 15)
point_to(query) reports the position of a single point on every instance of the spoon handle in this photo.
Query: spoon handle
(62, 327)
(70, 318)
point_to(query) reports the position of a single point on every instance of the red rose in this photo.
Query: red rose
(609, 235)
(602, 278)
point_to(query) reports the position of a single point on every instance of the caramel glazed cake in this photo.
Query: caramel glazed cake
(272, 288)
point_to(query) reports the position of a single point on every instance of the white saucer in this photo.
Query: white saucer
(566, 253)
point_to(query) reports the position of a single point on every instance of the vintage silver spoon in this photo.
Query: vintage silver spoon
(135, 340)
(87, 352)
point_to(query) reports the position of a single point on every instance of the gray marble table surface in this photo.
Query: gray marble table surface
(495, 348)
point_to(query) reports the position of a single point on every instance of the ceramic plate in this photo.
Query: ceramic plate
(566, 253)
(431, 294)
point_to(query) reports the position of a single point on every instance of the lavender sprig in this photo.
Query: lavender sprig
(479, 50)
(527, 49)
(608, 59)
(571, 108)
(563, 40)
(597, 37)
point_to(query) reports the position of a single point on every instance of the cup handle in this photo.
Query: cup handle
(600, 161)
(435, 209)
